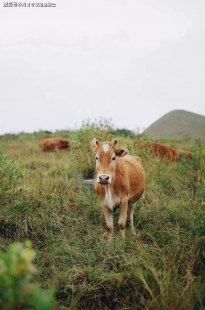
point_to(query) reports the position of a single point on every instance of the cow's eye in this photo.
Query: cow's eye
(96, 158)
(113, 158)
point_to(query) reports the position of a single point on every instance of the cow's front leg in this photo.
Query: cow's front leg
(108, 214)
(131, 216)
(123, 216)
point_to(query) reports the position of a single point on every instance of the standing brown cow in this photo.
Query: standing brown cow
(120, 181)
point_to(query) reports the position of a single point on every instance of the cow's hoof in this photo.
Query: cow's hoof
(108, 236)
(122, 231)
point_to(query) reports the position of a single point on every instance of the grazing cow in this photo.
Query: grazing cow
(164, 150)
(53, 144)
(167, 151)
(120, 181)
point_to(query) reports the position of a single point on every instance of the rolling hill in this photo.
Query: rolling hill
(178, 124)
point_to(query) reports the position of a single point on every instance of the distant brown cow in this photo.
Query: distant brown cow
(120, 182)
(164, 150)
(53, 144)
(169, 152)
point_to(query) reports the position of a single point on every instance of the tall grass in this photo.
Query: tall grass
(44, 198)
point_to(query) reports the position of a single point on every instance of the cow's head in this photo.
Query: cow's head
(106, 155)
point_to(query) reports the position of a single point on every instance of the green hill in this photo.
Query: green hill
(178, 124)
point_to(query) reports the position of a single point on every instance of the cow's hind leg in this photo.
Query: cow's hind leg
(123, 217)
(108, 214)
(131, 217)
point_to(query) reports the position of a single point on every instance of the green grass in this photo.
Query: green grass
(44, 199)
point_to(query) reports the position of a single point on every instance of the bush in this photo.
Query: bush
(18, 286)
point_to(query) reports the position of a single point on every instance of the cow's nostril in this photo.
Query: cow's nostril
(104, 178)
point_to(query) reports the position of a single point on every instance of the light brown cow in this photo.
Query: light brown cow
(53, 144)
(120, 181)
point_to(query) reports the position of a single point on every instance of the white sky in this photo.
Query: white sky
(128, 60)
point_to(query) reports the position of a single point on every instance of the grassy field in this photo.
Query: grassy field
(43, 198)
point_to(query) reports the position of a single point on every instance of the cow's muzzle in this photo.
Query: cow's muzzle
(104, 179)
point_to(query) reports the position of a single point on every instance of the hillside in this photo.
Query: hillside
(178, 124)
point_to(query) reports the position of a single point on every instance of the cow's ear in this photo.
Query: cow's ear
(94, 144)
(121, 152)
(114, 141)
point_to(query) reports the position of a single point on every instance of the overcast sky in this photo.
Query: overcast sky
(128, 60)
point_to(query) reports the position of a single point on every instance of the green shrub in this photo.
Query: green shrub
(18, 285)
